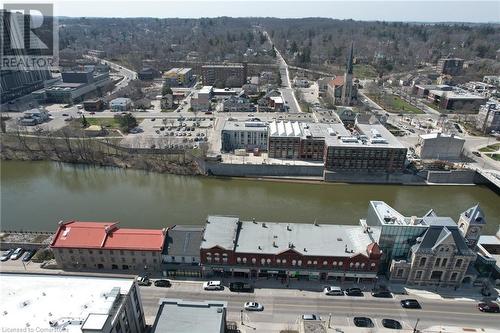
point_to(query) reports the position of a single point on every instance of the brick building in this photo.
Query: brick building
(105, 246)
(231, 247)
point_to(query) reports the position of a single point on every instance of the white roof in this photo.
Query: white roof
(285, 129)
(437, 135)
(220, 230)
(277, 99)
(34, 300)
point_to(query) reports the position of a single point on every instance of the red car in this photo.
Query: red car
(488, 307)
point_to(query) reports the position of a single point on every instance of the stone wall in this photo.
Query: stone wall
(243, 170)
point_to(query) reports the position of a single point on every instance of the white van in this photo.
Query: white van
(333, 291)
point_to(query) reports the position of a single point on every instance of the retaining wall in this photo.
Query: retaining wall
(242, 170)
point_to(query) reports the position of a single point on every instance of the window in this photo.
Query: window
(423, 261)
(334, 263)
(238, 260)
(262, 261)
(100, 252)
(70, 251)
(341, 263)
(254, 260)
(172, 258)
(453, 277)
(244, 260)
(309, 262)
(437, 262)
(294, 262)
(436, 275)
(284, 261)
(111, 252)
(445, 262)
(121, 252)
(418, 275)
(278, 261)
(458, 263)
(400, 272)
(315, 262)
(373, 264)
(357, 264)
(268, 261)
(325, 263)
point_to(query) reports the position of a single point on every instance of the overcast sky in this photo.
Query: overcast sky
(421, 11)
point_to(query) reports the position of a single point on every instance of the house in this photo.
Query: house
(120, 104)
(271, 102)
(93, 105)
(323, 85)
(252, 249)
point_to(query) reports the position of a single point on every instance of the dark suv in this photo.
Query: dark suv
(410, 304)
(353, 292)
(240, 287)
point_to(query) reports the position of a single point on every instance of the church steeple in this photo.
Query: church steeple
(350, 57)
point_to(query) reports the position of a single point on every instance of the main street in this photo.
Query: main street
(286, 305)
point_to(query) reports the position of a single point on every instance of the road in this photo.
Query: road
(285, 306)
(128, 74)
(286, 86)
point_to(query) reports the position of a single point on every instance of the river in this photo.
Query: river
(36, 195)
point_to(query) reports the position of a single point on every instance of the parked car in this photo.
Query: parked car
(363, 322)
(382, 294)
(213, 285)
(392, 324)
(240, 287)
(410, 304)
(488, 307)
(162, 283)
(478, 154)
(353, 292)
(253, 306)
(6, 255)
(310, 317)
(17, 253)
(65, 115)
(143, 281)
(333, 291)
(28, 255)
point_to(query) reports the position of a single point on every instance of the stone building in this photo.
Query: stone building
(440, 257)
(105, 246)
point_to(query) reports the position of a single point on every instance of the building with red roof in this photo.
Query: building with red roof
(106, 246)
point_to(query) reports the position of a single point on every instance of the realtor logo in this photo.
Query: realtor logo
(29, 37)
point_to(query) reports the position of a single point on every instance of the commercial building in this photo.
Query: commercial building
(224, 75)
(440, 146)
(488, 118)
(488, 256)
(181, 254)
(201, 99)
(148, 73)
(456, 99)
(50, 303)
(105, 246)
(247, 135)
(179, 77)
(450, 66)
(232, 247)
(14, 84)
(181, 316)
(399, 233)
(34, 117)
(94, 105)
(439, 257)
(120, 104)
(75, 87)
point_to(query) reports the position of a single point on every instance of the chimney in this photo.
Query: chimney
(253, 220)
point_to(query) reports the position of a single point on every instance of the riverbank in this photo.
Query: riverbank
(91, 151)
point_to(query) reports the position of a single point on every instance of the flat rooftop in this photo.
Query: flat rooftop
(224, 66)
(253, 126)
(220, 230)
(179, 316)
(178, 71)
(32, 301)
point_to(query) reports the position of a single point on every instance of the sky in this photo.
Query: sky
(368, 10)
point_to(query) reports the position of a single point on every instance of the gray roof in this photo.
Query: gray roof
(178, 316)
(474, 214)
(220, 231)
(183, 240)
(437, 235)
(438, 221)
(251, 126)
(273, 238)
(307, 239)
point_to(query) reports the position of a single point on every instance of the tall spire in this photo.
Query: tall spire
(349, 65)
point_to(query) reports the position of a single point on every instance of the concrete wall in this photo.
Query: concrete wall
(375, 178)
(242, 170)
(452, 177)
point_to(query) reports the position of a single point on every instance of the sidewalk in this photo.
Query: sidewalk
(467, 293)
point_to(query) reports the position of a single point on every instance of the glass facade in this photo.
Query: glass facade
(396, 241)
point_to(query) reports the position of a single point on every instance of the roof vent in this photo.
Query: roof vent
(290, 245)
(219, 310)
(288, 227)
(253, 220)
(316, 223)
(339, 239)
(305, 250)
(264, 225)
(260, 248)
(274, 244)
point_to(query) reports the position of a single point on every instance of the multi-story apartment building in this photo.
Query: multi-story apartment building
(51, 303)
(105, 246)
(179, 77)
(244, 135)
(371, 147)
(231, 247)
(450, 66)
(224, 75)
(488, 118)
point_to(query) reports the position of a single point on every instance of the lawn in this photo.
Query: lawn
(364, 71)
(394, 104)
(491, 148)
(104, 122)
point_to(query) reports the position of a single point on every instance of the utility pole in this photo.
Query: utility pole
(241, 316)
(329, 320)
